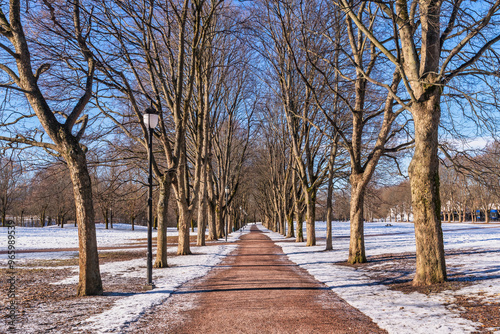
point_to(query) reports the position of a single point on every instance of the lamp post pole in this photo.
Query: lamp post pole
(150, 120)
(150, 209)
(227, 212)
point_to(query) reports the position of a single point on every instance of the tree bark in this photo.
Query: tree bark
(310, 219)
(220, 221)
(212, 228)
(357, 239)
(290, 232)
(212, 235)
(42, 217)
(202, 210)
(424, 178)
(299, 227)
(329, 197)
(106, 218)
(183, 247)
(203, 192)
(90, 278)
(162, 208)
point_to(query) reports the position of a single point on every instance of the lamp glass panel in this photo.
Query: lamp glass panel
(151, 120)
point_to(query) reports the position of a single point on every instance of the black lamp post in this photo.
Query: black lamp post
(227, 211)
(150, 121)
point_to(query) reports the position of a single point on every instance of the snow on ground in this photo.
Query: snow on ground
(393, 310)
(181, 269)
(67, 237)
(54, 237)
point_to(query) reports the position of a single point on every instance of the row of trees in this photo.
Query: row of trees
(271, 100)
(357, 83)
(44, 194)
(118, 58)
(470, 187)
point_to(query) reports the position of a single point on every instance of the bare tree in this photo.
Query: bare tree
(288, 69)
(10, 180)
(27, 79)
(107, 181)
(159, 63)
(429, 60)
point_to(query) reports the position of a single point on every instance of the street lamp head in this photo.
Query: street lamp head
(150, 118)
(227, 190)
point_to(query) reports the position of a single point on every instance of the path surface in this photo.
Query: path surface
(255, 290)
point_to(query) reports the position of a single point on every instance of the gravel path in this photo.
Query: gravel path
(255, 290)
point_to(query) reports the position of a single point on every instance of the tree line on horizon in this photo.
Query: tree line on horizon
(275, 101)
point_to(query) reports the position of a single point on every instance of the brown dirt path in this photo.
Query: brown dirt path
(255, 290)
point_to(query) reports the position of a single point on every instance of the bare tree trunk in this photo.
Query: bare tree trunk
(311, 217)
(106, 218)
(183, 247)
(284, 223)
(277, 219)
(289, 218)
(220, 222)
(90, 278)
(42, 217)
(162, 209)
(212, 216)
(132, 222)
(299, 227)
(281, 221)
(357, 238)
(202, 200)
(202, 210)
(211, 221)
(329, 237)
(424, 178)
(329, 196)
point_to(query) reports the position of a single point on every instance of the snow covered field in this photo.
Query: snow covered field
(392, 310)
(396, 311)
(54, 237)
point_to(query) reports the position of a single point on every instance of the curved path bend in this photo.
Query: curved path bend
(256, 290)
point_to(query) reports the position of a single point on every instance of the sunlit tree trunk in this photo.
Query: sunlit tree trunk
(357, 238)
(165, 184)
(90, 278)
(212, 216)
(311, 218)
(424, 178)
